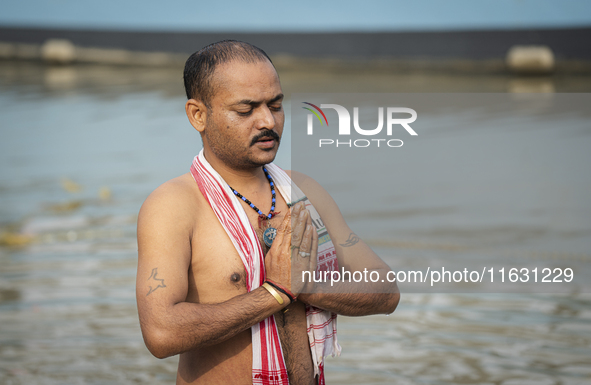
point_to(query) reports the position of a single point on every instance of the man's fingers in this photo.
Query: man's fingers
(297, 208)
(295, 213)
(286, 221)
(284, 228)
(306, 244)
(295, 219)
(306, 257)
(298, 227)
(304, 251)
(314, 251)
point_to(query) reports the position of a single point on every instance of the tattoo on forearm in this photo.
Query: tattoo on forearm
(155, 282)
(353, 239)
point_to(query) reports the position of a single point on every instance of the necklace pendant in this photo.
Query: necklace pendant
(264, 220)
(269, 235)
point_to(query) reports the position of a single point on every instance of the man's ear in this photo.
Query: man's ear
(197, 113)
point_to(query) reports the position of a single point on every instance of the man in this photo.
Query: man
(200, 292)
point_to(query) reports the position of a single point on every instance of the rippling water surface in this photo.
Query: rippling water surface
(81, 149)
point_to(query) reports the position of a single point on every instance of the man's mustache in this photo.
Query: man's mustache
(265, 134)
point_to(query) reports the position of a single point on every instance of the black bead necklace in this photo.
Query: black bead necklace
(270, 232)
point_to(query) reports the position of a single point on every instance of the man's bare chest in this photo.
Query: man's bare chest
(216, 271)
(217, 274)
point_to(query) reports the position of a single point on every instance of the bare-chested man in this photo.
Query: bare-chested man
(191, 292)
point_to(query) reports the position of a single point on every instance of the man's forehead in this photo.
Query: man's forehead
(238, 81)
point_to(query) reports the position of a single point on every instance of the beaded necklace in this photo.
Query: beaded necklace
(270, 232)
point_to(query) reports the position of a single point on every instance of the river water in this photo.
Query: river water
(82, 147)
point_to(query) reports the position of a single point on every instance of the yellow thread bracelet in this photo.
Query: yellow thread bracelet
(273, 292)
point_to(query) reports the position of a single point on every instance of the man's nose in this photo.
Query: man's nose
(265, 118)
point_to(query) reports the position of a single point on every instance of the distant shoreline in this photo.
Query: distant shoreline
(468, 50)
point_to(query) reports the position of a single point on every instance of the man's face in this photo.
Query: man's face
(245, 121)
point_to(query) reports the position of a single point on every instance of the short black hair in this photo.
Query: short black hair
(200, 66)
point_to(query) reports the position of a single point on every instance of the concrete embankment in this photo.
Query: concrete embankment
(521, 51)
(62, 51)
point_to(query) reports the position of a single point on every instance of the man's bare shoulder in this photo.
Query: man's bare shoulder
(322, 202)
(178, 191)
(176, 200)
(309, 186)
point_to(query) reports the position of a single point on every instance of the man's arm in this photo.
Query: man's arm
(169, 324)
(354, 298)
